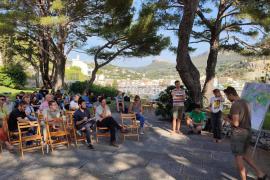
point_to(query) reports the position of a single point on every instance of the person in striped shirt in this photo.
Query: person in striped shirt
(178, 96)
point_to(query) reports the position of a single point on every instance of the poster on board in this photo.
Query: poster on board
(258, 95)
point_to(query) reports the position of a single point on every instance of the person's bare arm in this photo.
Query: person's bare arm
(130, 108)
(235, 120)
(81, 122)
(20, 119)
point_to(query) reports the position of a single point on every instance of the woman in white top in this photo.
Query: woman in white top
(104, 119)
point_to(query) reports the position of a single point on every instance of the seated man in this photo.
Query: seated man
(83, 122)
(195, 119)
(104, 119)
(49, 114)
(16, 115)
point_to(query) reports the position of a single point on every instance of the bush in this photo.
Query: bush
(79, 87)
(13, 76)
(164, 105)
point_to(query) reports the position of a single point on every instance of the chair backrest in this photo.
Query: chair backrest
(128, 117)
(24, 125)
(69, 115)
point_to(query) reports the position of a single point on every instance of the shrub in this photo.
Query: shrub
(79, 87)
(164, 105)
(13, 76)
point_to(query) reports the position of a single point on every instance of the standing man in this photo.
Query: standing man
(216, 107)
(178, 96)
(240, 119)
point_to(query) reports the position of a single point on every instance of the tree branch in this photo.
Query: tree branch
(204, 20)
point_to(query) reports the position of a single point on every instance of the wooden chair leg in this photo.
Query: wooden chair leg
(42, 148)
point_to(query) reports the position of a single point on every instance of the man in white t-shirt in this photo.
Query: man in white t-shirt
(216, 107)
(104, 119)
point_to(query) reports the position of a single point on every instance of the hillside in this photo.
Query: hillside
(229, 64)
(200, 61)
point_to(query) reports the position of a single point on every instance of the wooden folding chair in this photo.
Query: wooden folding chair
(36, 138)
(56, 136)
(130, 123)
(102, 132)
(72, 129)
(13, 136)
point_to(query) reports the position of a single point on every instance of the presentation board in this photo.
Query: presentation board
(258, 95)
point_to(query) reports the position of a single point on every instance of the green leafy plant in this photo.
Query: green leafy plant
(164, 105)
(80, 87)
(13, 76)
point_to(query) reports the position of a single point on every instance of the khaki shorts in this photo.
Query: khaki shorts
(240, 140)
(178, 112)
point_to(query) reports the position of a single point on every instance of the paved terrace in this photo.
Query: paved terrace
(158, 155)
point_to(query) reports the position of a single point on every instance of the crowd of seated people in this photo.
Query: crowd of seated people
(28, 107)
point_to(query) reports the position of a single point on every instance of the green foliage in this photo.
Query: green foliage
(79, 87)
(13, 76)
(74, 74)
(164, 104)
(266, 125)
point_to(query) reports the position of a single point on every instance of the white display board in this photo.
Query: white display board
(258, 95)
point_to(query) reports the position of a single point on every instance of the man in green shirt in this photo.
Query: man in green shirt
(195, 120)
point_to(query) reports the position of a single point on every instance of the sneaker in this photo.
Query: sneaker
(114, 144)
(90, 146)
(79, 132)
(141, 131)
(200, 132)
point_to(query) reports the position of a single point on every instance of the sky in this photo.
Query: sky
(165, 55)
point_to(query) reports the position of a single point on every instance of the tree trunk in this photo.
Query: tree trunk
(210, 68)
(186, 69)
(44, 60)
(37, 78)
(60, 73)
(93, 76)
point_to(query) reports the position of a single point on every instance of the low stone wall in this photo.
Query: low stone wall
(264, 140)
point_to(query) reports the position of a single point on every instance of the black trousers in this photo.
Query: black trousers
(216, 124)
(110, 123)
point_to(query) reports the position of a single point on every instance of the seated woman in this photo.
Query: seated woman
(29, 111)
(195, 120)
(104, 119)
(3, 114)
(136, 107)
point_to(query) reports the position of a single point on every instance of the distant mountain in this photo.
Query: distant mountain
(157, 69)
(200, 61)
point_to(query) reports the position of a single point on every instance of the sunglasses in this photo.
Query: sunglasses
(2, 99)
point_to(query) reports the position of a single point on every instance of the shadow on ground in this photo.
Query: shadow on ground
(158, 155)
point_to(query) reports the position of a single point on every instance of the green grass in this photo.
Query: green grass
(13, 92)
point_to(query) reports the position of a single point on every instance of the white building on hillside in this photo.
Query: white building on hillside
(84, 66)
